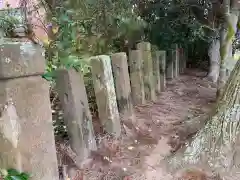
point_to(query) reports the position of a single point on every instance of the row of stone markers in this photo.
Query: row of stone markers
(116, 91)
(27, 139)
(176, 62)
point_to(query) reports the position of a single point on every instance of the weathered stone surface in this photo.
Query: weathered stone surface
(170, 69)
(27, 139)
(181, 60)
(149, 86)
(105, 94)
(177, 62)
(77, 116)
(144, 46)
(175, 58)
(156, 71)
(162, 59)
(20, 59)
(122, 84)
(136, 76)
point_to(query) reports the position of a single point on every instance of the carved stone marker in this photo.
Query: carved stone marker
(156, 71)
(175, 58)
(170, 69)
(122, 84)
(162, 60)
(27, 139)
(149, 86)
(105, 94)
(77, 116)
(136, 76)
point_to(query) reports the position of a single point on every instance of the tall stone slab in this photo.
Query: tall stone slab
(148, 76)
(162, 67)
(105, 94)
(183, 61)
(136, 77)
(27, 138)
(77, 116)
(169, 65)
(156, 71)
(175, 58)
(122, 84)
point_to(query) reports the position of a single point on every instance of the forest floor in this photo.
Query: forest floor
(159, 129)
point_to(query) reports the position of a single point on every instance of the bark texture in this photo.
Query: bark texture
(214, 56)
(227, 35)
(217, 145)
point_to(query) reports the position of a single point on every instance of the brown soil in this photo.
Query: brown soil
(158, 129)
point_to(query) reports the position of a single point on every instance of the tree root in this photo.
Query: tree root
(216, 147)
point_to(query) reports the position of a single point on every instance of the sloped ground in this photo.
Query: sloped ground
(159, 129)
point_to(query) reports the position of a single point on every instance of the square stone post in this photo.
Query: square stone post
(162, 67)
(169, 65)
(27, 138)
(77, 116)
(105, 94)
(149, 86)
(181, 69)
(175, 59)
(156, 71)
(185, 58)
(136, 76)
(122, 84)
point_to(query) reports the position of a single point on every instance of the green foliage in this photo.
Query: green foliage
(88, 28)
(12, 174)
(7, 25)
(179, 22)
(84, 29)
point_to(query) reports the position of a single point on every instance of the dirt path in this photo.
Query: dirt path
(159, 129)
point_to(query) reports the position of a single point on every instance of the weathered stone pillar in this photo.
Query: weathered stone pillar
(27, 139)
(77, 116)
(175, 59)
(156, 71)
(149, 86)
(122, 84)
(169, 65)
(105, 94)
(182, 61)
(136, 76)
(162, 59)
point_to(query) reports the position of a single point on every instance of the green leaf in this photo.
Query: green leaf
(13, 172)
(49, 76)
(25, 176)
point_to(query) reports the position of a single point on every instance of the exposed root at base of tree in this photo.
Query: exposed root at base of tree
(217, 146)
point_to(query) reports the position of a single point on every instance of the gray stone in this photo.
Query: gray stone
(105, 94)
(175, 58)
(148, 77)
(156, 71)
(162, 59)
(144, 46)
(27, 139)
(170, 69)
(181, 60)
(77, 116)
(122, 84)
(136, 76)
(21, 59)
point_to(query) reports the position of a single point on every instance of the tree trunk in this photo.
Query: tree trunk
(214, 56)
(217, 145)
(227, 34)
